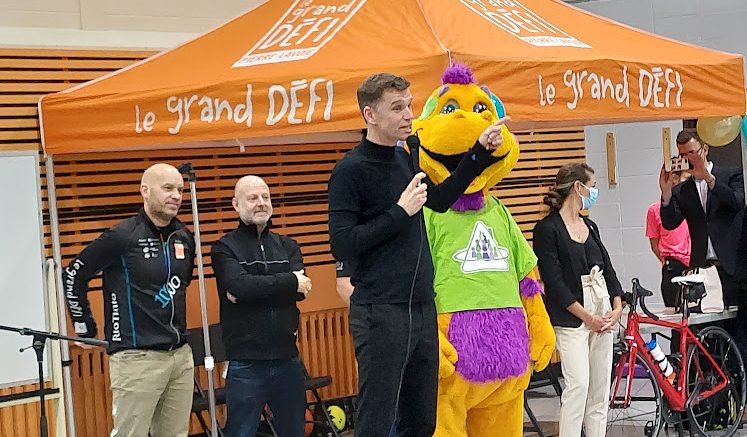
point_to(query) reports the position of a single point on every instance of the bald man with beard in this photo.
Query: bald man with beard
(147, 262)
(260, 277)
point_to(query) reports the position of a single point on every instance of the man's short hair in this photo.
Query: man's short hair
(371, 90)
(686, 135)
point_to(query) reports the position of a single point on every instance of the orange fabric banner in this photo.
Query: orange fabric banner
(291, 67)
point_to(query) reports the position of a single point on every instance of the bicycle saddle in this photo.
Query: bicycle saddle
(689, 279)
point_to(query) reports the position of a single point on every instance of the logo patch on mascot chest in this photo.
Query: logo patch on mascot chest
(482, 252)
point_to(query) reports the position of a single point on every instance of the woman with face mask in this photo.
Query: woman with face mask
(582, 296)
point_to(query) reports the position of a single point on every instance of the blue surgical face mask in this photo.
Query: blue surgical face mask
(588, 202)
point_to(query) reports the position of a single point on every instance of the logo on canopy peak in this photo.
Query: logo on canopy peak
(523, 23)
(306, 27)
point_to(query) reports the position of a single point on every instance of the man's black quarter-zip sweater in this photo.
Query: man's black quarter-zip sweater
(257, 269)
(368, 227)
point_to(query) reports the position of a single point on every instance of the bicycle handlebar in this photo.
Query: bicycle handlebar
(639, 294)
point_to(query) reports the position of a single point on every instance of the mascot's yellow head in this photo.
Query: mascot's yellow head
(453, 118)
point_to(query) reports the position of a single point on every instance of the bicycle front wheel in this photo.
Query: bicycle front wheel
(643, 416)
(720, 414)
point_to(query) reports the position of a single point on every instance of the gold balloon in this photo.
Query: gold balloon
(719, 131)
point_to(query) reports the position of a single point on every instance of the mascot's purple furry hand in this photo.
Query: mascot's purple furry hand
(541, 334)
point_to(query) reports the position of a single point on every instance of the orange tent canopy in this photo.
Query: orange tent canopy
(291, 68)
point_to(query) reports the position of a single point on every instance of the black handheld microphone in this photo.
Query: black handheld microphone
(413, 143)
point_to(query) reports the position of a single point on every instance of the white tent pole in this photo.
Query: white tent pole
(209, 362)
(61, 305)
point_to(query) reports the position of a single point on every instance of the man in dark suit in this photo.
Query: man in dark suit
(712, 202)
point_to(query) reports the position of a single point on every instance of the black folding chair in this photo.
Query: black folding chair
(314, 384)
(200, 400)
(545, 378)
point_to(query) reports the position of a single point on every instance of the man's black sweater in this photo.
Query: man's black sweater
(367, 226)
(257, 269)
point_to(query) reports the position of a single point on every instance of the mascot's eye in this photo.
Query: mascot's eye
(449, 107)
(480, 107)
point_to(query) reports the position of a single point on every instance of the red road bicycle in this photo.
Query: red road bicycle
(708, 393)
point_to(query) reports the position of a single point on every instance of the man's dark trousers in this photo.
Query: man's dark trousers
(671, 292)
(252, 384)
(380, 335)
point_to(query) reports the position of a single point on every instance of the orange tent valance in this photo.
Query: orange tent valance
(291, 67)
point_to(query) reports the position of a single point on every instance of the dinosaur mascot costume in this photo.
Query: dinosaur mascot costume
(493, 327)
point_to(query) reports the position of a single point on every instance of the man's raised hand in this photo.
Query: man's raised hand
(414, 196)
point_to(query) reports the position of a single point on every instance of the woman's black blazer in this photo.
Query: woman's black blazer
(561, 273)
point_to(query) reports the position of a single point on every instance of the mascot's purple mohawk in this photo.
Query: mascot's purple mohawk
(458, 74)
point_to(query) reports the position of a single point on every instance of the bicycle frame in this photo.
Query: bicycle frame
(676, 397)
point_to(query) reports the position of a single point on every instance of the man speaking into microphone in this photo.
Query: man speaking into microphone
(375, 195)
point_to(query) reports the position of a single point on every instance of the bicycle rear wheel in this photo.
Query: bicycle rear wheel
(720, 414)
(644, 414)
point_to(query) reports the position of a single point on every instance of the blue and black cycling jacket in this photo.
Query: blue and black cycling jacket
(146, 271)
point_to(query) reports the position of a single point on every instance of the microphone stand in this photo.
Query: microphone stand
(189, 171)
(39, 341)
